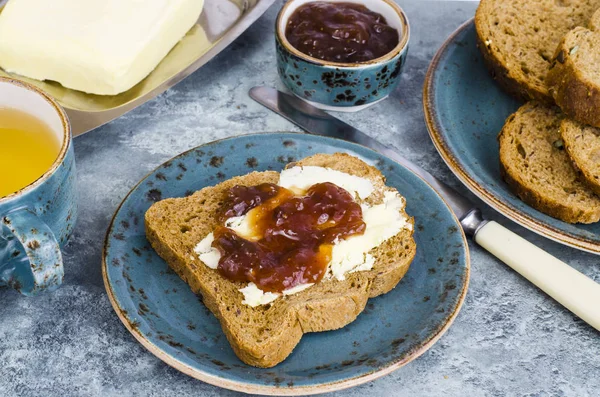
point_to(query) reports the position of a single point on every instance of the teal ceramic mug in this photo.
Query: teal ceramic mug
(38, 219)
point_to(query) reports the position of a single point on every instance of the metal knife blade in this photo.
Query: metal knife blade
(316, 121)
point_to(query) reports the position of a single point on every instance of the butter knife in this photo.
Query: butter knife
(575, 291)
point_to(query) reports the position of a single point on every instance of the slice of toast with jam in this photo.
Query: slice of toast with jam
(265, 335)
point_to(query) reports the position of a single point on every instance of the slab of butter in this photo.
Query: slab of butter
(383, 221)
(100, 47)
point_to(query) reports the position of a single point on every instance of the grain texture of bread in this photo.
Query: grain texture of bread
(519, 37)
(265, 335)
(583, 146)
(574, 76)
(536, 166)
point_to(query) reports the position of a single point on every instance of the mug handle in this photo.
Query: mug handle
(44, 271)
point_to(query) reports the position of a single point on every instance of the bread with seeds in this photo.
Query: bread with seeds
(534, 163)
(574, 76)
(518, 39)
(583, 146)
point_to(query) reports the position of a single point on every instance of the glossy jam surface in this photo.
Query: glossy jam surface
(292, 236)
(340, 32)
(241, 199)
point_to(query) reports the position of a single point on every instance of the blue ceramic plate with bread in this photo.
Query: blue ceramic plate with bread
(465, 110)
(163, 314)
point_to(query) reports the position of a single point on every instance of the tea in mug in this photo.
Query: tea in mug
(28, 148)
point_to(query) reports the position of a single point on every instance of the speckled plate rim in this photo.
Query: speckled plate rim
(455, 164)
(275, 390)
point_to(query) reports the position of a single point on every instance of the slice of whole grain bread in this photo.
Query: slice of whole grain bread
(583, 146)
(574, 76)
(264, 336)
(518, 38)
(537, 168)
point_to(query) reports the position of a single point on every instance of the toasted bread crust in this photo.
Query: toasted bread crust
(548, 206)
(265, 336)
(583, 146)
(578, 98)
(575, 91)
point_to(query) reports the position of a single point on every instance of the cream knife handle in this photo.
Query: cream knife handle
(575, 291)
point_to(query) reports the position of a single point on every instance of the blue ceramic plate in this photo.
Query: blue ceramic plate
(465, 110)
(169, 320)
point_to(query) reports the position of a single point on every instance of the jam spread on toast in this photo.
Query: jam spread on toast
(340, 32)
(290, 237)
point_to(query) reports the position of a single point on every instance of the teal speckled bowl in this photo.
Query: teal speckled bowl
(342, 86)
(165, 316)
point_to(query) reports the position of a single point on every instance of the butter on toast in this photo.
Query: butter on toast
(263, 336)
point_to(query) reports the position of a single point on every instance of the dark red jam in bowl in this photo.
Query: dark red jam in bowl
(340, 32)
(292, 236)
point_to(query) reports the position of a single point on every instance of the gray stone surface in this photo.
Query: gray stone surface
(509, 339)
